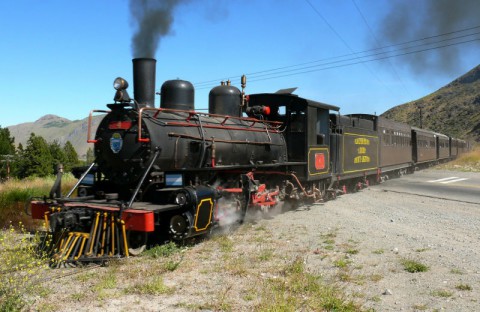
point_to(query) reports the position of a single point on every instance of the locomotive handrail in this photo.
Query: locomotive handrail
(80, 180)
(221, 127)
(192, 137)
(89, 128)
(274, 125)
(140, 139)
(145, 173)
(225, 120)
(192, 113)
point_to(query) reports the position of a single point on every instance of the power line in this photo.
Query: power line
(350, 54)
(372, 72)
(397, 76)
(381, 53)
(329, 26)
(365, 61)
(274, 73)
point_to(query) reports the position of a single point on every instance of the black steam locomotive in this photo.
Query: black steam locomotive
(172, 172)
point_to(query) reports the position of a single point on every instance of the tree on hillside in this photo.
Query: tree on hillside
(71, 156)
(7, 146)
(7, 152)
(35, 159)
(58, 155)
(18, 160)
(90, 156)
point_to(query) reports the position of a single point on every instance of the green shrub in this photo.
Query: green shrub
(162, 251)
(413, 266)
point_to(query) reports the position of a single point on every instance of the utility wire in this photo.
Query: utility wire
(375, 55)
(395, 73)
(350, 54)
(365, 61)
(274, 73)
(372, 72)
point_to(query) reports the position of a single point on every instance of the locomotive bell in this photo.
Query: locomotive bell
(177, 94)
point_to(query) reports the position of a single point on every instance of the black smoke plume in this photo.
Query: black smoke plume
(411, 20)
(153, 20)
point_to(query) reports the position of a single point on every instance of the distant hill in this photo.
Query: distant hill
(453, 110)
(52, 127)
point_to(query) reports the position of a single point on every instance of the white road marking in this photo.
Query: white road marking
(444, 179)
(448, 180)
(453, 181)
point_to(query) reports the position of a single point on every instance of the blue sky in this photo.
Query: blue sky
(61, 57)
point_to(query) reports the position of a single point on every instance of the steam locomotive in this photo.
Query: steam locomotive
(172, 172)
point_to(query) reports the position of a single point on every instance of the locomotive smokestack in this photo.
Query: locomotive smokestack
(144, 82)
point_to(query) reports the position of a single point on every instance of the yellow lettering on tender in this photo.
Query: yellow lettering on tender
(362, 141)
(362, 150)
(361, 159)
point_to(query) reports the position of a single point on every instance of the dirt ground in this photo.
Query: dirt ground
(358, 243)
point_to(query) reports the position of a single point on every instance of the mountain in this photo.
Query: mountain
(52, 127)
(453, 109)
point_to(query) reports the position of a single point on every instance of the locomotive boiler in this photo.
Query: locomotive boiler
(175, 141)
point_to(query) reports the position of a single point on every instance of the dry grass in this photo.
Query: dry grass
(469, 162)
(15, 193)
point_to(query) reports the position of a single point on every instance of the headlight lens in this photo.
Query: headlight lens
(120, 83)
(181, 199)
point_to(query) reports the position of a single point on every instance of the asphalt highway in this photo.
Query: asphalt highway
(450, 185)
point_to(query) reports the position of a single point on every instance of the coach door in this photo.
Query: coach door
(296, 133)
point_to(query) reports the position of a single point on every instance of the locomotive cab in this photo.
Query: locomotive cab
(305, 127)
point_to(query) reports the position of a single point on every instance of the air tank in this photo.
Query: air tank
(225, 100)
(177, 94)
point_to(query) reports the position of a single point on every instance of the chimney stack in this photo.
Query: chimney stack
(144, 82)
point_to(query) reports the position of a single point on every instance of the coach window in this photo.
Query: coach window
(387, 137)
(297, 121)
(322, 125)
(320, 135)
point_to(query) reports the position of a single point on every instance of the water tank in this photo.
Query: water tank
(225, 100)
(177, 94)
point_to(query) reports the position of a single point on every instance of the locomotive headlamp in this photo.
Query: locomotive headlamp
(181, 199)
(120, 84)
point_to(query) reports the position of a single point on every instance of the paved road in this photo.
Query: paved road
(452, 185)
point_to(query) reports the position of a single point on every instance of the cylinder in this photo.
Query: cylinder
(225, 100)
(144, 82)
(177, 94)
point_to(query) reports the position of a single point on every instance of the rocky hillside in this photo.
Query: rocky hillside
(52, 127)
(453, 109)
